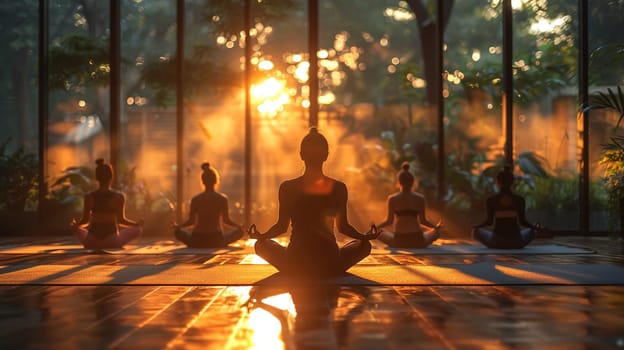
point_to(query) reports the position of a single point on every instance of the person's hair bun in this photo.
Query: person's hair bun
(99, 161)
(205, 166)
(405, 166)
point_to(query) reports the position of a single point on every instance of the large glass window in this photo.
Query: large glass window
(78, 116)
(214, 99)
(19, 23)
(18, 115)
(279, 101)
(606, 71)
(147, 169)
(545, 130)
(473, 123)
(378, 93)
(376, 105)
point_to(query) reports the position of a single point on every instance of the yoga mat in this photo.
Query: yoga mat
(468, 249)
(165, 247)
(483, 273)
(246, 247)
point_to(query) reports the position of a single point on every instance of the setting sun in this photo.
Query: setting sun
(270, 96)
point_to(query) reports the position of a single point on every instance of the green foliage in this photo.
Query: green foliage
(75, 182)
(470, 170)
(19, 174)
(79, 60)
(204, 70)
(139, 199)
(70, 187)
(534, 77)
(611, 99)
(471, 181)
(552, 193)
(402, 144)
(612, 159)
(199, 76)
(606, 63)
(399, 89)
(230, 13)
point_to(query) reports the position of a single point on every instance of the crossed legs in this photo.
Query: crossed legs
(208, 240)
(488, 238)
(116, 240)
(279, 256)
(410, 240)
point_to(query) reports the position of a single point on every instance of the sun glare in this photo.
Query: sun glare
(399, 14)
(301, 72)
(265, 327)
(266, 330)
(544, 25)
(270, 96)
(265, 65)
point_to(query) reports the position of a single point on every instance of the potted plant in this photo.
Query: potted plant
(18, 189)
(612, 157)
(66, 195)
(613, 160)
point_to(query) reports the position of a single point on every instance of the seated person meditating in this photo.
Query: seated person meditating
(407, 210)
(103, 211)
(313, 203)
(209, 210)
(505, 226)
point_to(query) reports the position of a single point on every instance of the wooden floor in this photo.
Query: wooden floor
(310, 317)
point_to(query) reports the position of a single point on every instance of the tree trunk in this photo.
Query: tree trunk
(428, 28)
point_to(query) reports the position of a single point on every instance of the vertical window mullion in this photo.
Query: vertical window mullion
(180, 34)
(313, 39)
(248, 129)
(115, 82)
(440, 106)
(508, 80)
(43, 106)
(583, 91)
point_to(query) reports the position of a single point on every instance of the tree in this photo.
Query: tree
(428, 32)
(18, 37)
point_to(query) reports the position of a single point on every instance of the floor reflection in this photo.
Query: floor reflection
(302, 316)
(311, 317)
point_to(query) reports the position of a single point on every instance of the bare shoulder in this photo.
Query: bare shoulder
(338, 185)
(222, 197)
(418, 198)
(394, 196)
(118, 195)
(289, 185)
(89, 198)
(418, 195)
(209, 197)
(292, 182)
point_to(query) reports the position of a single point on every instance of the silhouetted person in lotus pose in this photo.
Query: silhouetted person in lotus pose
(209, 210)
(312, 203)
(505, 226)
(407, 210)
(103, 211)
